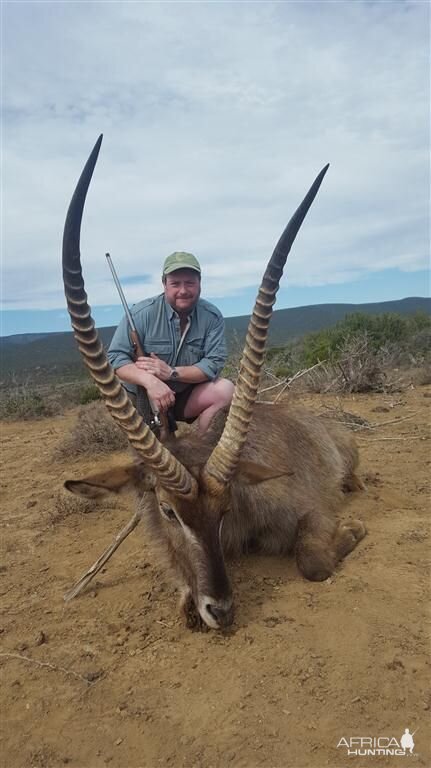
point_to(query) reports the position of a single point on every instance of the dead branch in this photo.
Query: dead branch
(273, 386)
(392, 421)
(408, 437)
(297, 375)
(356, 423)
(104, 557)
(55, 667)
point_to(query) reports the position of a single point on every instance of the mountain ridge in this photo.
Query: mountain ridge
(42, 354)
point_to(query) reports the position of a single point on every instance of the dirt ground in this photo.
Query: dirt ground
(114, 679)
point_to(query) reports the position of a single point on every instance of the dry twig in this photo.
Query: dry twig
(46, 664)
(289, 382)
(408, 437)
(104, 557)
(392, 421)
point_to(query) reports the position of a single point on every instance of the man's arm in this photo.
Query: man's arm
(120, 355)
(215, 353)
(206, 369)
(153, 365)
(159, 392)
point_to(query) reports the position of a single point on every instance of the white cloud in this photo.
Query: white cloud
(216, 117)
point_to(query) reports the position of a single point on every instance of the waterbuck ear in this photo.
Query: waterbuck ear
(114, 480)
(252, 473)
(86, 489)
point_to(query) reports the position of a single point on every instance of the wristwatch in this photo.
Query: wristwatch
(174, 375)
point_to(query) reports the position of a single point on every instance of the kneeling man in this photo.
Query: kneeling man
(183, 336)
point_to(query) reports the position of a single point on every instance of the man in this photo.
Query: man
(183, 336)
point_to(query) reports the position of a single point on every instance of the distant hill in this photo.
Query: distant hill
(289, 324)
(41, 357)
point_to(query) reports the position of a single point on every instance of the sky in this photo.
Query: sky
(216, 116)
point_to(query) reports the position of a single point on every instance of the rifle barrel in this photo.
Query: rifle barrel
(121, 294)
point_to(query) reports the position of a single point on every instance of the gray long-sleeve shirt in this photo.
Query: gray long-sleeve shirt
(158, 327)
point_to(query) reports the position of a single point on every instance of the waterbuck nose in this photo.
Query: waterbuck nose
(222, 615)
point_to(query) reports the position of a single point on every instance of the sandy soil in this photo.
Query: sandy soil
(113, 678)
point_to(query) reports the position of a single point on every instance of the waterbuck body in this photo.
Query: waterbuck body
(283, 500)
(264, 478)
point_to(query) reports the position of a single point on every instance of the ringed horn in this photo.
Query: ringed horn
(225, 457)
(170, 472)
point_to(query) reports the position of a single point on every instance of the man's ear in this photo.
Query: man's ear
(251, 473)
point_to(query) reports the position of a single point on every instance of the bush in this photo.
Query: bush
(386, 330)
(88, 394)
(360, 366)
(23, 403)
(360, 354)
(94, 432)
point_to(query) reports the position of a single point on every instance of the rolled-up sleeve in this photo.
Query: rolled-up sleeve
(214, 350)
(120, 351)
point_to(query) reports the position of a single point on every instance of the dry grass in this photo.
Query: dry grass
(23, 403)
(94, 432)
(422, 376)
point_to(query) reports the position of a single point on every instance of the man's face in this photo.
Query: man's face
(182, 289)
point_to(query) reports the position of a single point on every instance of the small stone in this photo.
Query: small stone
(40, 638)
(92, 676)
(118, 742)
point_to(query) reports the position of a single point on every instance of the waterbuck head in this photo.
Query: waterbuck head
(191, 486)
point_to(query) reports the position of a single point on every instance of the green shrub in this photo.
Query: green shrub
(384, 330)
(88, 394)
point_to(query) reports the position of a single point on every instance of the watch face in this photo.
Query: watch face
(174, 374)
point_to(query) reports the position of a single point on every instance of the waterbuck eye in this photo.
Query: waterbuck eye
(168, 512)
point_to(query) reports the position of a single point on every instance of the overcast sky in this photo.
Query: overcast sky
(216, 118)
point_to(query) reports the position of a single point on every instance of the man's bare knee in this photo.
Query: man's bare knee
(225, 390)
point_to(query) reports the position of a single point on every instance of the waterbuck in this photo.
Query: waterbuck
(264, 478)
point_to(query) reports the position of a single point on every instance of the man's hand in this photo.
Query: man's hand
(160, 394)
(155, 366)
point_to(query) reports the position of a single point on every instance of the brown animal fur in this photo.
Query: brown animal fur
(283, 498)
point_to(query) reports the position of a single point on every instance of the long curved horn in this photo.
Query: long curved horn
(170, 472)
(225, 457)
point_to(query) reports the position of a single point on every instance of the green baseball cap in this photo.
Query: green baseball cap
(180, 260)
